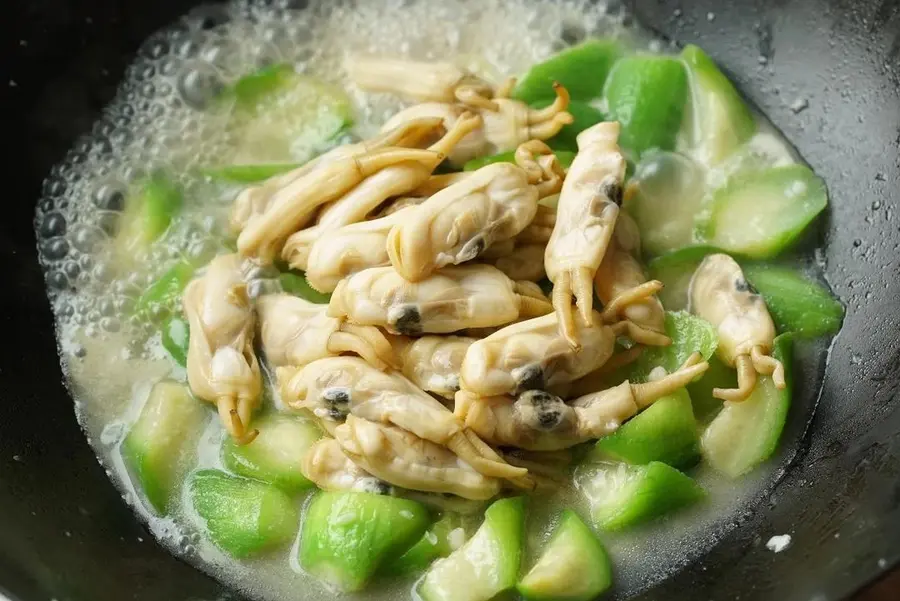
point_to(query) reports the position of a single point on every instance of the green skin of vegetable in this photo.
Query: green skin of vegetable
(248, 174)
(646, 95)
(761, 213)
(243, 517)
(689, 334)
(155, 447)
(147, 214)
(164, 290)
(565, 159)
(666, 431)
(584, 116)
(651, 491)
(465, 576)
(296, 284)
(346, 536)
(719, 120)
(574, 566)
(276, 454)
(719, 375)
(581, 69)
(743, 435)
(796, 304)
(176, 336)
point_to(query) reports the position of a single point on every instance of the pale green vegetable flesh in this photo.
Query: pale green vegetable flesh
(675, 270)
(664, 196)
(242, 516)
(745, 434)
(573, 566)
(759, 214)
(277, 453)
(157, 446)
(796, 303)
(718, 120)
(719, 375)
(623, 495)
(581, 69)
(441, 539)
(346, 536)
(283, 116)
(665, 431)
(487, 565)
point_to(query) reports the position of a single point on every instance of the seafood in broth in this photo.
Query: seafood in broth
(355, 279)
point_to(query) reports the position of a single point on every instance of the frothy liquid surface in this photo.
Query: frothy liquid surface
(164, 117)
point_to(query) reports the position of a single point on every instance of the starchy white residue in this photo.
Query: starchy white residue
(779, 543)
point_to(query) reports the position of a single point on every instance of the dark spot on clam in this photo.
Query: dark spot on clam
(336, 415)
(336, 396)
(612, 189)
(742, 285)
(378, 487)
(545, 411)
(407, 320)
(529, 377)
(472, 249)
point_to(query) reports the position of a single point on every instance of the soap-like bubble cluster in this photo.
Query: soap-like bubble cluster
(169, 114)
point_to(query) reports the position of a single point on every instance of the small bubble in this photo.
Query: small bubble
(54, 224)
(103, 272)
(86, 238)
(79, 351)
(109, 324)
(55, 249)
(876, 205)
(71, 269)
(57, 280)
(208, 16)
(855, 359)
(198, 84)
(110, 197)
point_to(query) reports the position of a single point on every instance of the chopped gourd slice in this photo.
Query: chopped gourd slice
(297, 284)
(160, 298)
(583, 115)
(565, 158)
(157, 447)
(719, 375)
(665, 431)
(248, 174)
(675, 270)
(581, 69)
(487, 565)
(664, 197)
(442, 538)
(646, 94)
(242, 516)
(175, 335)
(573, 566)
(148, 211)
(745, 434)
(689, 334)
(277, 453)
(346, 536)
(759, 214)
(283, 116)
(797, 304)
(718, 120)
(622, 495)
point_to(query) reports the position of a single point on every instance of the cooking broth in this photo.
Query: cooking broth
(164, 116)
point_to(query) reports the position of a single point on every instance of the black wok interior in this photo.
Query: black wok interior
(66, 534)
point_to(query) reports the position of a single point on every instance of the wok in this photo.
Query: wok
(65, 532)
